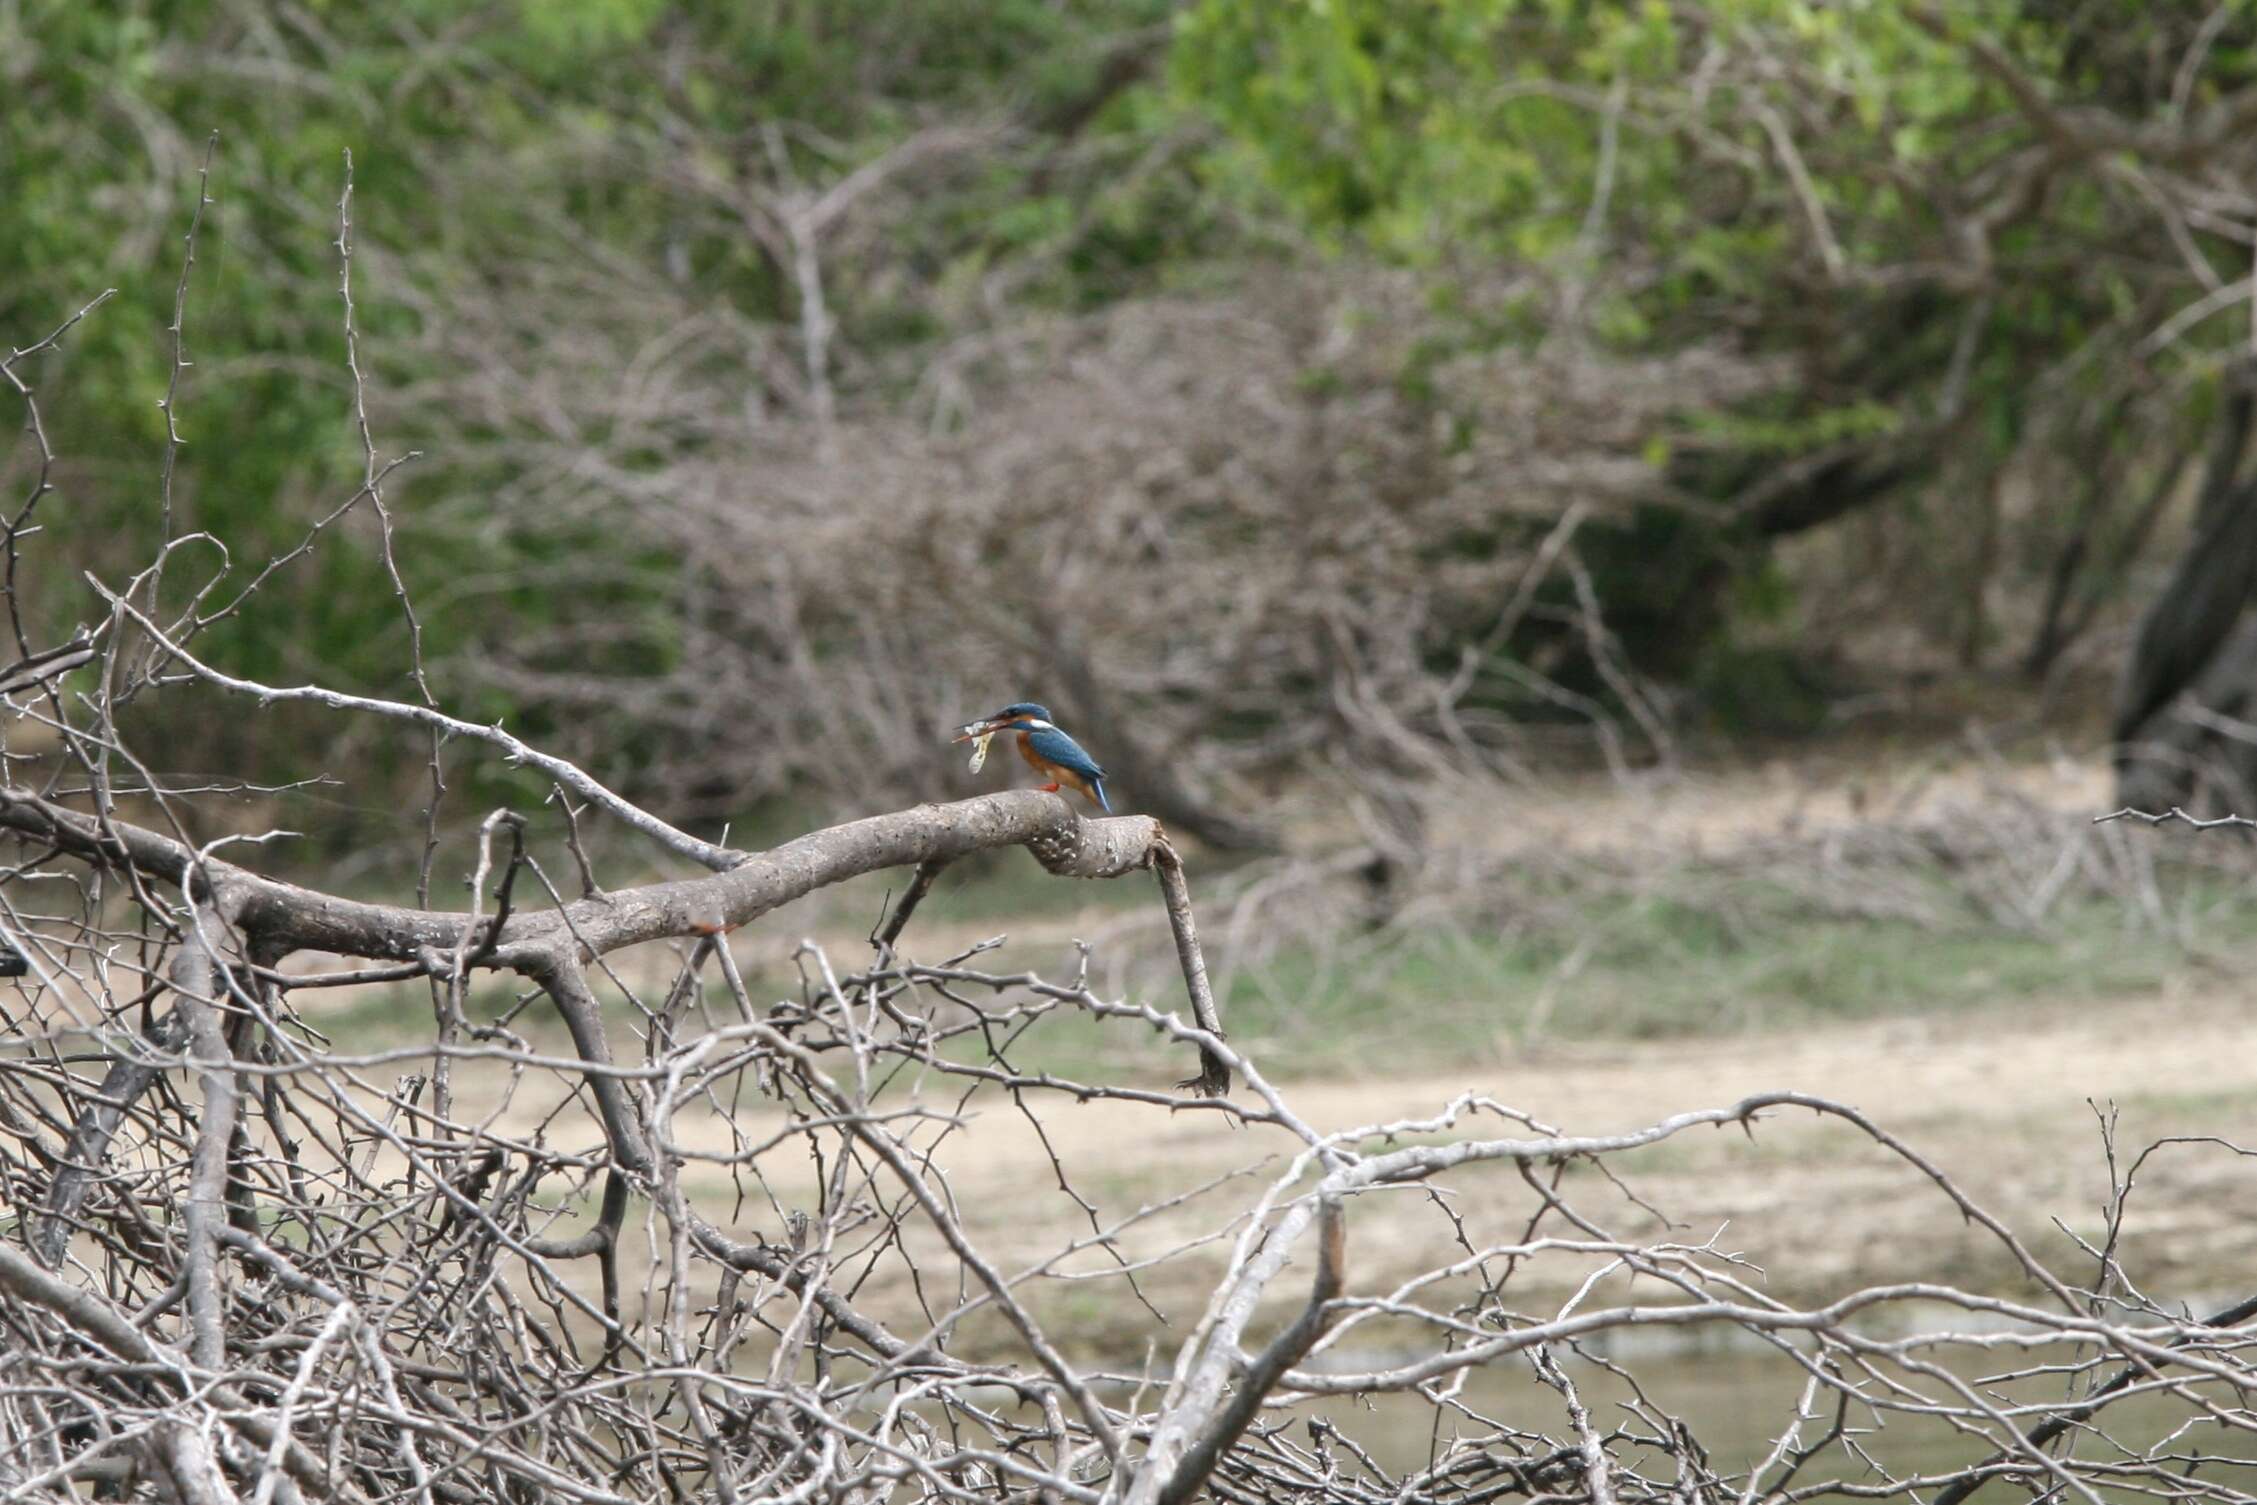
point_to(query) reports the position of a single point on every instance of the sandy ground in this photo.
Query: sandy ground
(2003, 1101)
(1705, 811)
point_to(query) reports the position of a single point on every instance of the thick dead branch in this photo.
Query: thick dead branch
(197, 985)
(1284, 1351)
(928, 872)
(288, 918)
(132, 1071)
(1214, 1072)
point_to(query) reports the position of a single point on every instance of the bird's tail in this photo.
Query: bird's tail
(1097, 787)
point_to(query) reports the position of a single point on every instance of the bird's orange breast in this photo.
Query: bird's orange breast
(1057, 773)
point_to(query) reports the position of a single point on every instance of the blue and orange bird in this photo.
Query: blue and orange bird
(1049, 751)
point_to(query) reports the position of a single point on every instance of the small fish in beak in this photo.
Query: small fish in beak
(979, 734)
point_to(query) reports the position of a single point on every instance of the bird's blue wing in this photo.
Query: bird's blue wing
(1064, 751)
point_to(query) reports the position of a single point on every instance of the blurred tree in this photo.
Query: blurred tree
(1828, 314)
(543, 161)
(1991, 247)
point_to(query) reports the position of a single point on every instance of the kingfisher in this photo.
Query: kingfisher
(1049, 751)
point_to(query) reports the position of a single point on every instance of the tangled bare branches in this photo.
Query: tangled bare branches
(317, 1282)
(1062, 498)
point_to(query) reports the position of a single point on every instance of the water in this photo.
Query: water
(1736, 1399)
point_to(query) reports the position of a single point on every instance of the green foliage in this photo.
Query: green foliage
(1788, 182)
(1794, 429)
(476, 132)
(1868, 193)
(1760, 689)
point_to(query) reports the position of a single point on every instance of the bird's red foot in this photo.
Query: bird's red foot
(1050, 789)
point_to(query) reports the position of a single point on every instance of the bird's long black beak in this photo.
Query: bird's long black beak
(972, 729)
